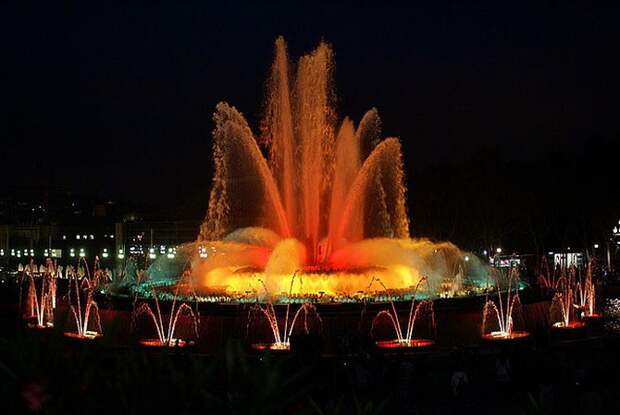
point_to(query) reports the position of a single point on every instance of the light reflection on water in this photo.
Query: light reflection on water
(611, 310)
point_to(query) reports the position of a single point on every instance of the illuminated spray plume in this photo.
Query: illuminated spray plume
(417, 311)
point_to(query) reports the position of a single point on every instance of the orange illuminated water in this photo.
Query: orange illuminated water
(311, 194)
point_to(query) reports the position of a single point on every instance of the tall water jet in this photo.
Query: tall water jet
(277, 132)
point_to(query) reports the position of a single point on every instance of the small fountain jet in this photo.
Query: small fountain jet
(562, 310)
(40, 304)
(406, 339)
(282, 336)
(503, 312)
(166, 332)
(586, 295)
(82, 305)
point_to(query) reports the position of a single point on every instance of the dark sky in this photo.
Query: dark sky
(118, 100)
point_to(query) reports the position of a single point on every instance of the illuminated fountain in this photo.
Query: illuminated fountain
(282, 335)
(421, 310)
(40, 304)
(311, 193)
(498, 318)
(562, 310)
(166, 330)
(82, 306)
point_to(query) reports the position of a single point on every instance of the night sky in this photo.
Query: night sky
(117, 101)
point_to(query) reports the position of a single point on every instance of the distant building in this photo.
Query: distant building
(36, 224)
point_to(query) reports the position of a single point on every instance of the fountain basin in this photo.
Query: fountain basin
(282, 347)
(37, 326)
(158, 343)
(503, 336)
(573, 325)
(592, 316)
(88, 335)
(404, 344)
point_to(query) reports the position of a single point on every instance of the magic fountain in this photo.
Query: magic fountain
(311, 195)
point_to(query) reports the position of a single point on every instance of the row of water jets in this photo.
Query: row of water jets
(573, 303)
(85, 323)
(85, 320)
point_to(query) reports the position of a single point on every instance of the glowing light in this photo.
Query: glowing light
(77, 236)
(466, 258)
(72, 252)
(485, 252)
(498, 250)
(82, 253)
(152, 254)
(203, 252)
(595, 246)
